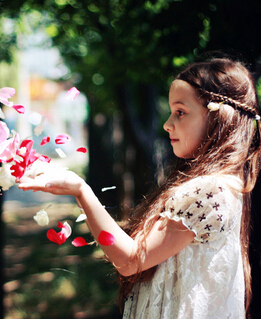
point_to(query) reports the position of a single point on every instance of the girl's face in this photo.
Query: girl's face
(188, 122)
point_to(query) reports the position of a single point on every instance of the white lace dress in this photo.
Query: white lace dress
(205, 280)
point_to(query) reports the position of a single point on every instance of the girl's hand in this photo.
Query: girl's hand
(65, 183)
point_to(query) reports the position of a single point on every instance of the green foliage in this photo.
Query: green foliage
(115, 41)
(258, 88)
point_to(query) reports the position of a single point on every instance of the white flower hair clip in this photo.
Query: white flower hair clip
(213, 106)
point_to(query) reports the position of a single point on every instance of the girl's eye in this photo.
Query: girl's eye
(180, 113)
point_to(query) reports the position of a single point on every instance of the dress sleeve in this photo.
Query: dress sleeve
(202, 207)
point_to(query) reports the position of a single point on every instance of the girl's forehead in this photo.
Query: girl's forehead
(180, 84)
(182, 92)
(180, 88)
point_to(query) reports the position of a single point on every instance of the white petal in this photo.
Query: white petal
(67, 230)
(81, 217)
(41, 218)
(104, 189)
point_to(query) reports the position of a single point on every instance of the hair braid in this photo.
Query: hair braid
(216, 97)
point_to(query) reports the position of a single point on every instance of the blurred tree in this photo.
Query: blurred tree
(126, 53)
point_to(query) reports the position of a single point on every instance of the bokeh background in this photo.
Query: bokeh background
(122, 56)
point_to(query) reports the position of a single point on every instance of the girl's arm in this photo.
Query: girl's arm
(161, 243)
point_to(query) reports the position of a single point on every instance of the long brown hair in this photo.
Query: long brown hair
(231, 147)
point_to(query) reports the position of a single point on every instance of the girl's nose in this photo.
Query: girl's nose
(168, 125)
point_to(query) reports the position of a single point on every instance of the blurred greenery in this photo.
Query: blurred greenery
(123, 55)
(45, 280)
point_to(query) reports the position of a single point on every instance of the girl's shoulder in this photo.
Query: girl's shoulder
(222, 182)
(206, 205)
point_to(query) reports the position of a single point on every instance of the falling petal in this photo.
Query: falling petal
(17, 171)
(4, 131)
(19, 108)
(45, 140)
(60, 153)
(28, 158)
(106, 239)
(44, 158)
(62, 139)
(38, 130)
(104, 189)
(5, 94)
(72, 94)
(81, 217)
(58, 238)
(67, 230)
(60, 225)
(82, 150)
(79, 242)
(41, 218)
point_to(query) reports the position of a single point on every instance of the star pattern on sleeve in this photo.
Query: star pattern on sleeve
(216, 205)
(201, 209)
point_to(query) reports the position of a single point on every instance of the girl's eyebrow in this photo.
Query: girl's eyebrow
(178, 102)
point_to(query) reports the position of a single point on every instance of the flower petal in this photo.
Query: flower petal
(17, 170)
(81, 217)
(72, 94)
(105, 189)
(60, 152)
(4, 131)
(79, 242)
(105, 238)
(39, 128)
(62, 139)
(58, 238)
(45, 140)
(41, 218)
(43, 158)
(67, 230)
(213, 106)
(82, 150)
(19, 108)
(5, 94)
(60, 225)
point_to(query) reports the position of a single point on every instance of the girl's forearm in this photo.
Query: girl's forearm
(98, 219)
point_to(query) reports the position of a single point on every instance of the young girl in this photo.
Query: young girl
(185, 251)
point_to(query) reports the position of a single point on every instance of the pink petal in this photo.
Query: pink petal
(79, 242)
(45, 140)
(82, 149)
(19, 108)
(4, 131)
(72, 94)
(106, 239)
(8, 149)
(5, 94)
(58, 238)
(44, 158)
(62, 139)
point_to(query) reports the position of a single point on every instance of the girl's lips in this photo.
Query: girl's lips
(173, 140)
